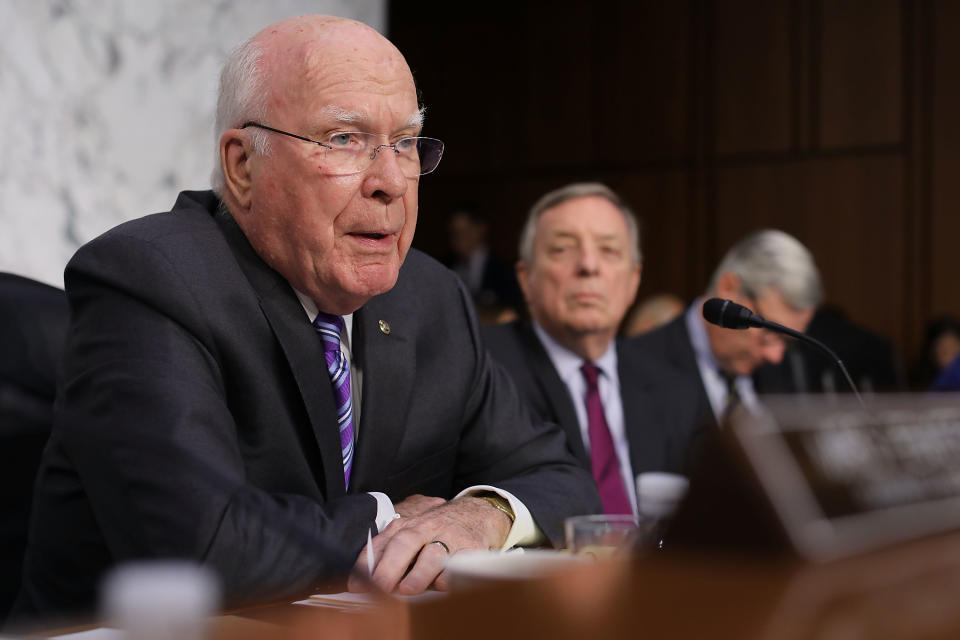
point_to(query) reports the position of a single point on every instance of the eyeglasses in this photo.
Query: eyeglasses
(349, 152)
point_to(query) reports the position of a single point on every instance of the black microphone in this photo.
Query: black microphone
(730, 315)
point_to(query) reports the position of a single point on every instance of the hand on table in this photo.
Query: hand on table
(417, 505)
(408, 556)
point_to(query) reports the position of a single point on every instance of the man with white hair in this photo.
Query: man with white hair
(579, 269)
(266, 375)
(771, 273)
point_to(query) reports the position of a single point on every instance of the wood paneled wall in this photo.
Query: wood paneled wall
(835, 120)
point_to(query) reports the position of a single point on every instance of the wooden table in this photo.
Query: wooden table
(910, 591)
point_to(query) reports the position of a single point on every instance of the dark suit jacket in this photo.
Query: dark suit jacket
(498, 286)
(33, 325)
(197, 418)
(669, 351)
(651, 404)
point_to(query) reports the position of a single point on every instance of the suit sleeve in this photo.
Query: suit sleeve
(143, 417)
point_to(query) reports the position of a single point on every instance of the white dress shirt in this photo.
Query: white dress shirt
(523, 532)
(714, 383)
(568, 364)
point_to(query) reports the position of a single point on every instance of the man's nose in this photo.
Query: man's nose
(588, 261)
(385, 179)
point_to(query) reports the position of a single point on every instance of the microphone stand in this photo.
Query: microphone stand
(730, 315)
(757, 321)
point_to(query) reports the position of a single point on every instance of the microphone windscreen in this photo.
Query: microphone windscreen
(726, 314)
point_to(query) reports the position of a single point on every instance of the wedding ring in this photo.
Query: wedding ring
(442, 544)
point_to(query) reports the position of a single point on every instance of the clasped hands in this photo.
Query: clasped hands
(405, 558)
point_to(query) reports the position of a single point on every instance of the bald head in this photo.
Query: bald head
(321, 49)
(267, 74)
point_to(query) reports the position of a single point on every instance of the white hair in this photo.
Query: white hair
(572, 191)
(772, 258)
(242, 99)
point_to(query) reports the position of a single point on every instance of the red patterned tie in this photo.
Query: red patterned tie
(603, 457)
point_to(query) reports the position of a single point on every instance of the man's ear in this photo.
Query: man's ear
(236, 160)
(636, 285)
(728, 286)
(523, 277)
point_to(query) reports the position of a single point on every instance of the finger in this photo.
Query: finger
(428, 566)
(442, 581)
(359, 579)
(361, 569)
(396, 557)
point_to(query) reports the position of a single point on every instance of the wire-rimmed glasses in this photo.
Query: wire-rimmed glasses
(349, 152)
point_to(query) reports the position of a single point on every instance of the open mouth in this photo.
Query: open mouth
(373, 236)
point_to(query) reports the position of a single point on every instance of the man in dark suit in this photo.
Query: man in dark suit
(489, 280)
(33, 324)
(775, 276)
(260, 377)
(579, 269)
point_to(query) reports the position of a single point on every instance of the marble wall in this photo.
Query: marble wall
(106, 109)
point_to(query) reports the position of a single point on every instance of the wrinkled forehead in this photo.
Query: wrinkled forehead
(339, 61)
(592, 215)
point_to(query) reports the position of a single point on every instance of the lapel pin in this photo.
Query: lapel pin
(384, 327)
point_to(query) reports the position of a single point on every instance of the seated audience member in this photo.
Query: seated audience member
(771, 273)
(651, 313)
(579, 269)
(261, 376)
(941, 346)
(489, 280)
(949, 377)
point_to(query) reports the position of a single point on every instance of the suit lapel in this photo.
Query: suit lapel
(555, 392)
(641, 410)
(302, 348)
(387, 357)
(686, 359)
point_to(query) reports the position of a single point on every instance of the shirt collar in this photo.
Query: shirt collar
(568, 364)
(699, 339)
(310, 308)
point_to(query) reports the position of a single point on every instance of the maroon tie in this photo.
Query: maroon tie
(603, 457)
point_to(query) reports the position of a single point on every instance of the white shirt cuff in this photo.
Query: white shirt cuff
(524, 530)
(385, 511)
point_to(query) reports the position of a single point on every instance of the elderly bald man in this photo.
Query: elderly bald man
(261, 376)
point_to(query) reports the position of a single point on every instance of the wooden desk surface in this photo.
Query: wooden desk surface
(910, 591)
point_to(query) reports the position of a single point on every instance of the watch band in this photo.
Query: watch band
(498, 502)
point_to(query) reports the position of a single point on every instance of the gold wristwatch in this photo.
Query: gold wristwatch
(499, 502)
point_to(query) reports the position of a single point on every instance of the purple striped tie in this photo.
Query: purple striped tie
(330, 327)
(603, 456)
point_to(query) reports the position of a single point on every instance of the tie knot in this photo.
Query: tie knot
(590, 373)
(729, 380)
(329, 327)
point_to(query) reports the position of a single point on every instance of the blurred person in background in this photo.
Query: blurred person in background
(490, 281)
(771, 273)
(940, 350)
(579, 269)
(652, 312)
